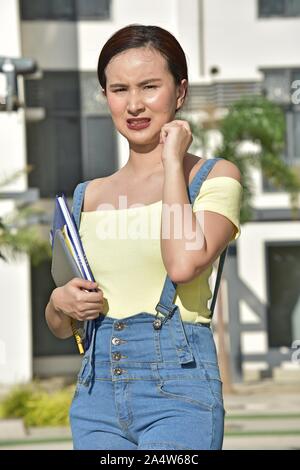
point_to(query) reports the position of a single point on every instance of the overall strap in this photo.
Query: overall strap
(78, 197)
(193, 191)
(165, 304)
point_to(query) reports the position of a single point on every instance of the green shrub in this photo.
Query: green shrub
(38, 407)
(14, 404)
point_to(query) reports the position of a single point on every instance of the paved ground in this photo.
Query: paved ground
(263, 416)
(262, 443)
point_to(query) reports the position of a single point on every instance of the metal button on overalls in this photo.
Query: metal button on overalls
(118, 371)
(119, 326)
(157, 324)
(116, 341)
(116, 356)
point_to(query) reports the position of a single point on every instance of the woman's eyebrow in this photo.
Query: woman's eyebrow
(141, 83)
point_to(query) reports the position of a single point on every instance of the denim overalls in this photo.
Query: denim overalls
(149, 382)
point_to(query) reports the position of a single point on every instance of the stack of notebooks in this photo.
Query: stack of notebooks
(68, 256)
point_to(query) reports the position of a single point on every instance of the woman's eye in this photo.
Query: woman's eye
(123, 89)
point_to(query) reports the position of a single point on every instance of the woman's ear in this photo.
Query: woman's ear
(181, 93)
(103, 92)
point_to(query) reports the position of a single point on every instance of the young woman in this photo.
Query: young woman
(149, 377)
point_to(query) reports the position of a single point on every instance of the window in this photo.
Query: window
(76, 140)
(275, 8)
(277, 85)
(44, 342)
(54, 150)
(93, 9)
(296, 131)
(54, 143)
(278, 88)
(100, 146)
(283, 273)
(47, 10)
(65, 10)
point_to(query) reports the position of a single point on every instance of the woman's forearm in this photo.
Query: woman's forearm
(182, 239)
(58, 322)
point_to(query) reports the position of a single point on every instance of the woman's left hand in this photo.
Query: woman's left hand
(176, 137)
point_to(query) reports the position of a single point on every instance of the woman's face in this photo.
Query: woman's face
(128, 98)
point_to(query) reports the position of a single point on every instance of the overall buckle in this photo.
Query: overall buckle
(158, 322)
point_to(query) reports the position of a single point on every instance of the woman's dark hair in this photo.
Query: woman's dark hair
(136, 35)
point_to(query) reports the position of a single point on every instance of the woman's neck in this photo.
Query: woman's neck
(142, 165)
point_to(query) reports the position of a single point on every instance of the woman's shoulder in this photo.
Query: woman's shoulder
(92, 191)
(104, 189)
(225, 168)
(222, 168)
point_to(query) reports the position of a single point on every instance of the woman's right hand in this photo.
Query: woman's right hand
(73, 300)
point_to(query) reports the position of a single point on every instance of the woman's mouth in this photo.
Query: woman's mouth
(137, 124)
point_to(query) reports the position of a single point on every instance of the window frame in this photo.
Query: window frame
(75, 15)
(284, 14)
(290, 109)
(268, 245)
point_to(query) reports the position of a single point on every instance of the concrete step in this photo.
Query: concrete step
(261, 443)
(263, 425)
(281, 375)
(12, 429)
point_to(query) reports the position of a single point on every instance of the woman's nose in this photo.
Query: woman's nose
(135, 102)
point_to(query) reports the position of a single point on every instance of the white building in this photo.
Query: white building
(66, 125)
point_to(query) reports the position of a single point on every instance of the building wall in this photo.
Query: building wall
(239, 42)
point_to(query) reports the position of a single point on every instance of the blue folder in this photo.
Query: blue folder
(62, 263)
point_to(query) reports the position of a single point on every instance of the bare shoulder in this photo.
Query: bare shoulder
(92, 192)
(225, 168)
(222, 168)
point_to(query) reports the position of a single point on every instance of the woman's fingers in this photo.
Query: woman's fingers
(92, 296)
(91, 306)
(89, 315)
(92, 317)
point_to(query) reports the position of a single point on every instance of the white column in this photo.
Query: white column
(15, 301)
(188, 34)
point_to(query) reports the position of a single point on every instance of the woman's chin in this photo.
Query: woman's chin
(140, 138)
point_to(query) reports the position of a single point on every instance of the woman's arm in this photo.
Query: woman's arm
(190, 243)
(58, 322)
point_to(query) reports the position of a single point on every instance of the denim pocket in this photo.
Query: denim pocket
(206, 356)
(216, 390)
(193, 391)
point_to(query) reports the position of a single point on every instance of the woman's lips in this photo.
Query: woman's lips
(139, 124)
